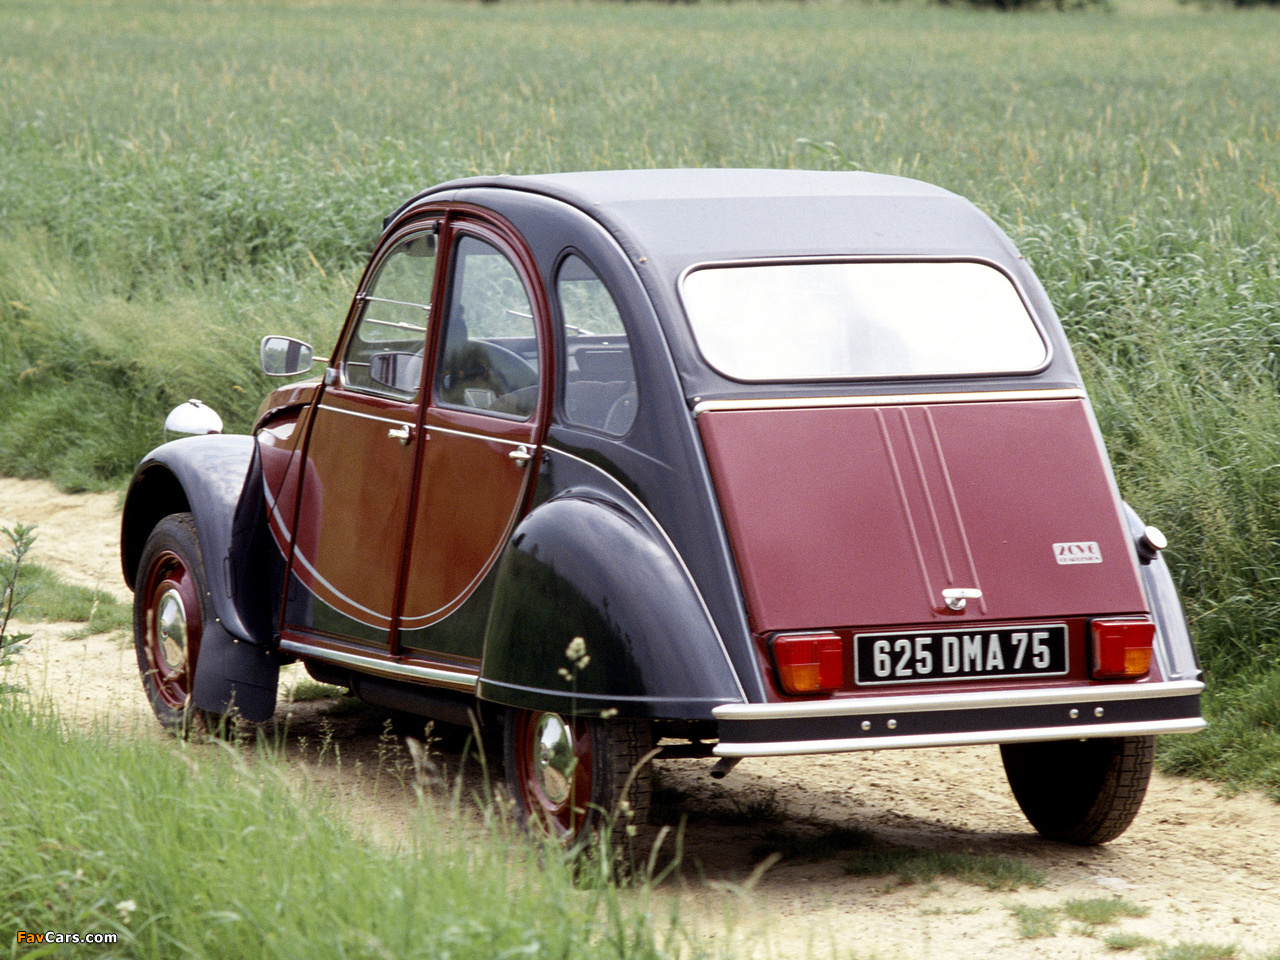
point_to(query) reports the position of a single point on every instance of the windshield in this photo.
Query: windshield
(828, 321)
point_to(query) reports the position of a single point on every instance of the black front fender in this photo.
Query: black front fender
(583, 566)
(216, 479)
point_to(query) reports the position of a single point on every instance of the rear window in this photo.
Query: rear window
(829, 321)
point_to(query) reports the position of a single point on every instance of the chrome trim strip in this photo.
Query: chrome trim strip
(298, 555)
(374, 664)
(366, 416)
(885, 400)
(679, 559)
(978, 700)
(799, 747)
(479, 436)
(274, 509)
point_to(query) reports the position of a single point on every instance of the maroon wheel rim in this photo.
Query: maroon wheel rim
(173, 628)
(553, 772)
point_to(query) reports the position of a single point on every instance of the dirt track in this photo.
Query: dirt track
(1206, 866)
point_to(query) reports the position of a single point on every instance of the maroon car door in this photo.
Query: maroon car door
(357, 484)
(481, 429)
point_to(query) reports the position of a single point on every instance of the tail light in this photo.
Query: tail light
(809, 662)
(1121, 648)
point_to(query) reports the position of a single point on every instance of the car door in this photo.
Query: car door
(358, 480)
(484, 419)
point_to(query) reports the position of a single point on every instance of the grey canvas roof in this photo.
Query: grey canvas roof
(669, 220)
(680, 217)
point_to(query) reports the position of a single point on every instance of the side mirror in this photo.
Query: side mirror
(285, 356)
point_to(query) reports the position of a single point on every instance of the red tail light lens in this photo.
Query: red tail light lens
(810, 662)
(1122, 648)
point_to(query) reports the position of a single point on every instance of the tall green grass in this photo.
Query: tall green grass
(198, 851)
(177, 179)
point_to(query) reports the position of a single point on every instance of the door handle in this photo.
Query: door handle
(521, 455)
(402, 433)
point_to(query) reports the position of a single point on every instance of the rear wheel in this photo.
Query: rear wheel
(571, 776)
(1080, 791)
(169, 613)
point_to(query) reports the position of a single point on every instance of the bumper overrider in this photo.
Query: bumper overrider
(958, 719)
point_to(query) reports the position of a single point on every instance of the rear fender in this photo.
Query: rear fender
(583, 565)
(1175, 652)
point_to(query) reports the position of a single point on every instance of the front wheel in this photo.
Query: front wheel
(169, 613)
(571, 776)
(1080, 791)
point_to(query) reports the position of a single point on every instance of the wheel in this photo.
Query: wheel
(1080, 791)
(169, 612)
(570, 776)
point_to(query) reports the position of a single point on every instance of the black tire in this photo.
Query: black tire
(610, 783)
(170, 608)
(1084, 792)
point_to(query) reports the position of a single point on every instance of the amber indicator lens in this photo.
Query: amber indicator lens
(810, 662)
(1122, 648)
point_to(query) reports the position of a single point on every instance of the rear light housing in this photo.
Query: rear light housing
(809, 662)
(1121, 648)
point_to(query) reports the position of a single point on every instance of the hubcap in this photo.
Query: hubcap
(171, 627)
(555, 762)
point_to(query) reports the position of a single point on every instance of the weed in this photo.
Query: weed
(13, 592)
(911, 865)
(52, 598)
(1124, 940)
(306, 690)
(1197, 951)
(1035, 922)
(1100, 910)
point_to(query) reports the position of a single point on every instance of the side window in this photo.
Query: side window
(385, 353)
(600, 377)
(489, 353)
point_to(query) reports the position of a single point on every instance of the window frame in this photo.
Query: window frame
(562, 342)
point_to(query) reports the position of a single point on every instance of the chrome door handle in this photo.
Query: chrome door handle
(403, 433)
(521, 455)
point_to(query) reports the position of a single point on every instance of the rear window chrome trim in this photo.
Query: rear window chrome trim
(967, 700)
(801, 747)
(886, 400)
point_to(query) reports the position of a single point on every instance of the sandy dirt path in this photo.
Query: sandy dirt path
(1205, 866)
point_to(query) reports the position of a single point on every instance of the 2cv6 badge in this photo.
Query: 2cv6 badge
(802, 458)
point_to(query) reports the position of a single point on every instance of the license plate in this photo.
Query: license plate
(934, 656)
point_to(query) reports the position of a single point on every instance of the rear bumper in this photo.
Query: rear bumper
(958, 719)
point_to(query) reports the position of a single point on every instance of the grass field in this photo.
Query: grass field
(177, 179)
(160, 848)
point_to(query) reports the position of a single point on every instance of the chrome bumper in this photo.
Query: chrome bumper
(958, 719)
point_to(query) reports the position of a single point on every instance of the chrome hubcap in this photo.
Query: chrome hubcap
(555, 761)
(171, 629)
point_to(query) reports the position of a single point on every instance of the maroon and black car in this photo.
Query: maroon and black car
(730, 462)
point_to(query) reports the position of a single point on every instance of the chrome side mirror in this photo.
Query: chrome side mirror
(285, 356)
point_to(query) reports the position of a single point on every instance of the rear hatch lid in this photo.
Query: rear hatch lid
(860, 515)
